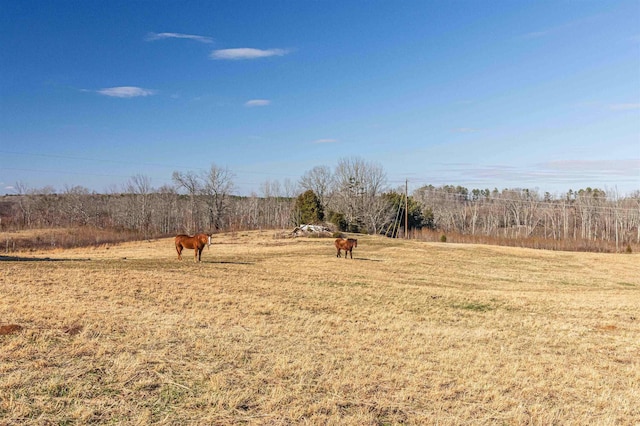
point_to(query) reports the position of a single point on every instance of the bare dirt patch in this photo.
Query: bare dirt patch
(10, 329)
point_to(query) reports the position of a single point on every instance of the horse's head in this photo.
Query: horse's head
(208, 240)
(355, 243)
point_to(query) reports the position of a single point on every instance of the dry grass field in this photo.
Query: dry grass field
(269, 331)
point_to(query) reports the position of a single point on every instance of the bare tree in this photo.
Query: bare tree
(379, 212)
(276, 207)
(291, 188)
(25, 203)
(166, 214)
(358, 184)
(190, 181)
(217, 188)
(321, 181)
(139, 192)
(77, 206)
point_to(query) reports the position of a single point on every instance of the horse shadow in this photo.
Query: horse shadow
(36, 259)
(364, 259)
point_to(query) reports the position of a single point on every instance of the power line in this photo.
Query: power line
(137, 163)
(64, 172)
(463, 198)
(239, 171)
(101, 160)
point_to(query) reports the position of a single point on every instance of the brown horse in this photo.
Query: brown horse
(346, 244)
(197, 242)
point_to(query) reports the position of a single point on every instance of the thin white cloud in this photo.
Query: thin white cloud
(609, 167)
(624, 107)
(246, 53)
(126, 92)
(562, 27)
(325, 141)
(565, 173)
(163, 36)
(257, 102)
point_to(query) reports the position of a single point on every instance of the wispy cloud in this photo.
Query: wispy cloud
(325, 141)
(549, 174)
(126, 92)
(605, 167)
(246, 53)
(559, 28)
(163, 36)
(624, 107)
(257, 103)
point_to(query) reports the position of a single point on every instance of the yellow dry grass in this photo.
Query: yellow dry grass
(279, 331)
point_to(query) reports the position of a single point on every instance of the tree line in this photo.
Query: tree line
(354, 196)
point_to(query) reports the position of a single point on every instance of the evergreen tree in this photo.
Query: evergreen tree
(308, 208)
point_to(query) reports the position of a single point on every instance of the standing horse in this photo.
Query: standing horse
(346, 244)
(197, 242)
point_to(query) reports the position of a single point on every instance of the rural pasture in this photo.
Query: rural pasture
(273, 331)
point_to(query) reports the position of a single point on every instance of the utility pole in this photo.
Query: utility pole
(406, 208)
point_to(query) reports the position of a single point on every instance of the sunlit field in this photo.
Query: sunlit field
(278, 331)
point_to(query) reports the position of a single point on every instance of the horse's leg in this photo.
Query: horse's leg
(351, 252)
(338, 255)
(200, 253)
(179, 250)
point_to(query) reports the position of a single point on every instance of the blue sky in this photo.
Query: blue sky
(542, 95)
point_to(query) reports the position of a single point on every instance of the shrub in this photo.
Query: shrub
(628, 250)
(353, 228)
(443, 238)
(338, 220)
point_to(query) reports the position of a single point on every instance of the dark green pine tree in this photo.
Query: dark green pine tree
(308, 208)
